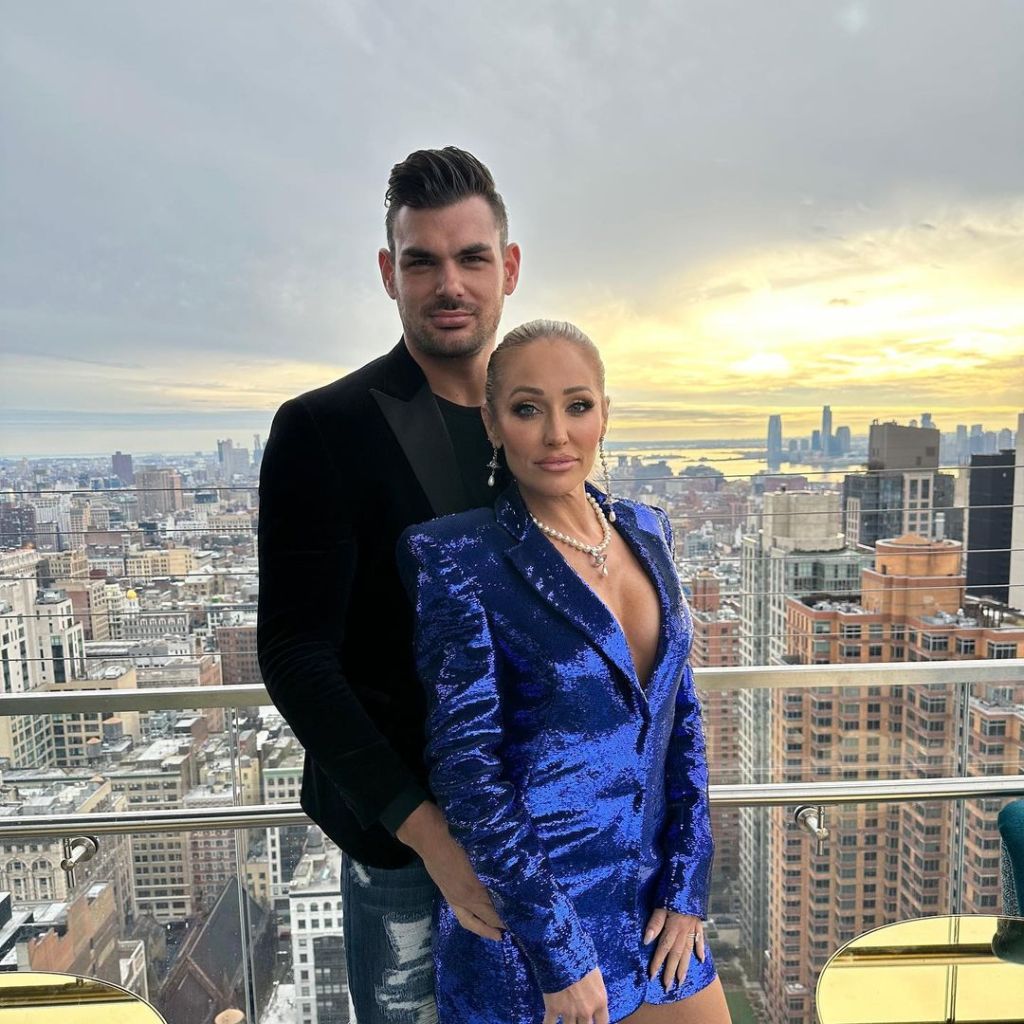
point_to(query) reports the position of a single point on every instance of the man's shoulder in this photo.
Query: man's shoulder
(347, 394)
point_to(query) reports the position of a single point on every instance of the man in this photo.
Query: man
(346, 468)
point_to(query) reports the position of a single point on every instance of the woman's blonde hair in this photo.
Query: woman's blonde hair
(534, 330)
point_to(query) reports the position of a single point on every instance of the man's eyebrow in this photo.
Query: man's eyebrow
(417, 252)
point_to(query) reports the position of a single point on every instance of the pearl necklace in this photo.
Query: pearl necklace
(596, 551)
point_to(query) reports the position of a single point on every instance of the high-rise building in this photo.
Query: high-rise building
(716, 643)
(963, 444)
(774, 443)
(976, 442)
(318, 945)
(121, 466)
(158, 776)
(159, 491)
(282, 761)
(796, 546)
(902, 492)
(232, 461)
(902, 449)
(844, 440)
(236, 641)
(31, 868)
(816, 441)
(17, 525)
(212, 852)
(826, 430)
(989, 541)
(1015, 597)
(891, 861)
(90, 604)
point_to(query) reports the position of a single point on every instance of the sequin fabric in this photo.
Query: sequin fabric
(580, 799)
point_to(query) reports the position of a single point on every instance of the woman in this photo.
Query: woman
(564, 736)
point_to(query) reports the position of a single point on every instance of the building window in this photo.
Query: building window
(965, 645)
(1001, 650)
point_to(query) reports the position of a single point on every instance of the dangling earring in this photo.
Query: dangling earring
(492, 465)
(607, 482)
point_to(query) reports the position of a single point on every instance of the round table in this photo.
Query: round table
(29, 997)
(933, 970)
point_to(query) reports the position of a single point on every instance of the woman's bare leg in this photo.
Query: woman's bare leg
(707, 1006)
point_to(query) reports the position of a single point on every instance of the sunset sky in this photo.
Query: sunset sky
(751, 208)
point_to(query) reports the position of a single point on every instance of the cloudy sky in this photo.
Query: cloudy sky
(752, 207)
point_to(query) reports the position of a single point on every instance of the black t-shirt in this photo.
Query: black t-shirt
(472, 451)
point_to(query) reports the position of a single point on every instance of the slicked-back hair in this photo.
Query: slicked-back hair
(534, 330)
(431, 179)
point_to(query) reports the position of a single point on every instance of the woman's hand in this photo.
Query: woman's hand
(680, 933)
(583, 1002)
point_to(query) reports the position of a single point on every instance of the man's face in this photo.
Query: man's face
(449, 277)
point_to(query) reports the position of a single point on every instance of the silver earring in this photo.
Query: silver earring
(607, 482)
(493, 464)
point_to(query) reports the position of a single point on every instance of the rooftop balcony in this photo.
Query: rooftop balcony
(236, 882)
(209, 889)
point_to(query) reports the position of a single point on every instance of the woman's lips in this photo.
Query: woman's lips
(558, 466)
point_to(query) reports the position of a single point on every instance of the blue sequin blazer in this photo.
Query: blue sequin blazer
(580, 799)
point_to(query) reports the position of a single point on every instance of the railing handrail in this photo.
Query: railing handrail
(766, 677)
(771, 794)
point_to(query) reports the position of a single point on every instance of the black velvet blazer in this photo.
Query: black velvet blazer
(346, 469)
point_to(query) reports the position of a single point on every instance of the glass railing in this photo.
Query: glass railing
(211, 890)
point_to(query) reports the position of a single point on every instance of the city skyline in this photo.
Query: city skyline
(192, 237)
(207, 440)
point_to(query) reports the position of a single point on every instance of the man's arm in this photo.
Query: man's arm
(308, 555)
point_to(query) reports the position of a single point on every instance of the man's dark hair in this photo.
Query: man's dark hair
(430, 179)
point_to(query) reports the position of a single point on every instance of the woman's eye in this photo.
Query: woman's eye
(581, 406)
(525, 409)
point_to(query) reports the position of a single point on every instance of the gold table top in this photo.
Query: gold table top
(34, 997)
(933, 970)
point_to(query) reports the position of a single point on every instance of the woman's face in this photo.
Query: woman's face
(549, 415)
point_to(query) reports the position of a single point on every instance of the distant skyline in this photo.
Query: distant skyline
(202, 441)
(751, 212)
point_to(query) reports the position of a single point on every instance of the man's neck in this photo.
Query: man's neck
(459, 380)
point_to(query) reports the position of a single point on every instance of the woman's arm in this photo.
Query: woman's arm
(686, 878)
(456, 661)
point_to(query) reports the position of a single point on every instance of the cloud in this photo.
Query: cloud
(713, 191)
(762, 328)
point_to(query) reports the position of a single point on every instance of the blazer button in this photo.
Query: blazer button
(638, 801)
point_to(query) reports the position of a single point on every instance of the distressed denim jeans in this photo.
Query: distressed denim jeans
(387, 918)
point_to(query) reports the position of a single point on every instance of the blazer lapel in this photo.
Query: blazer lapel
(414, 418)
(540, 564)
(651, 548)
